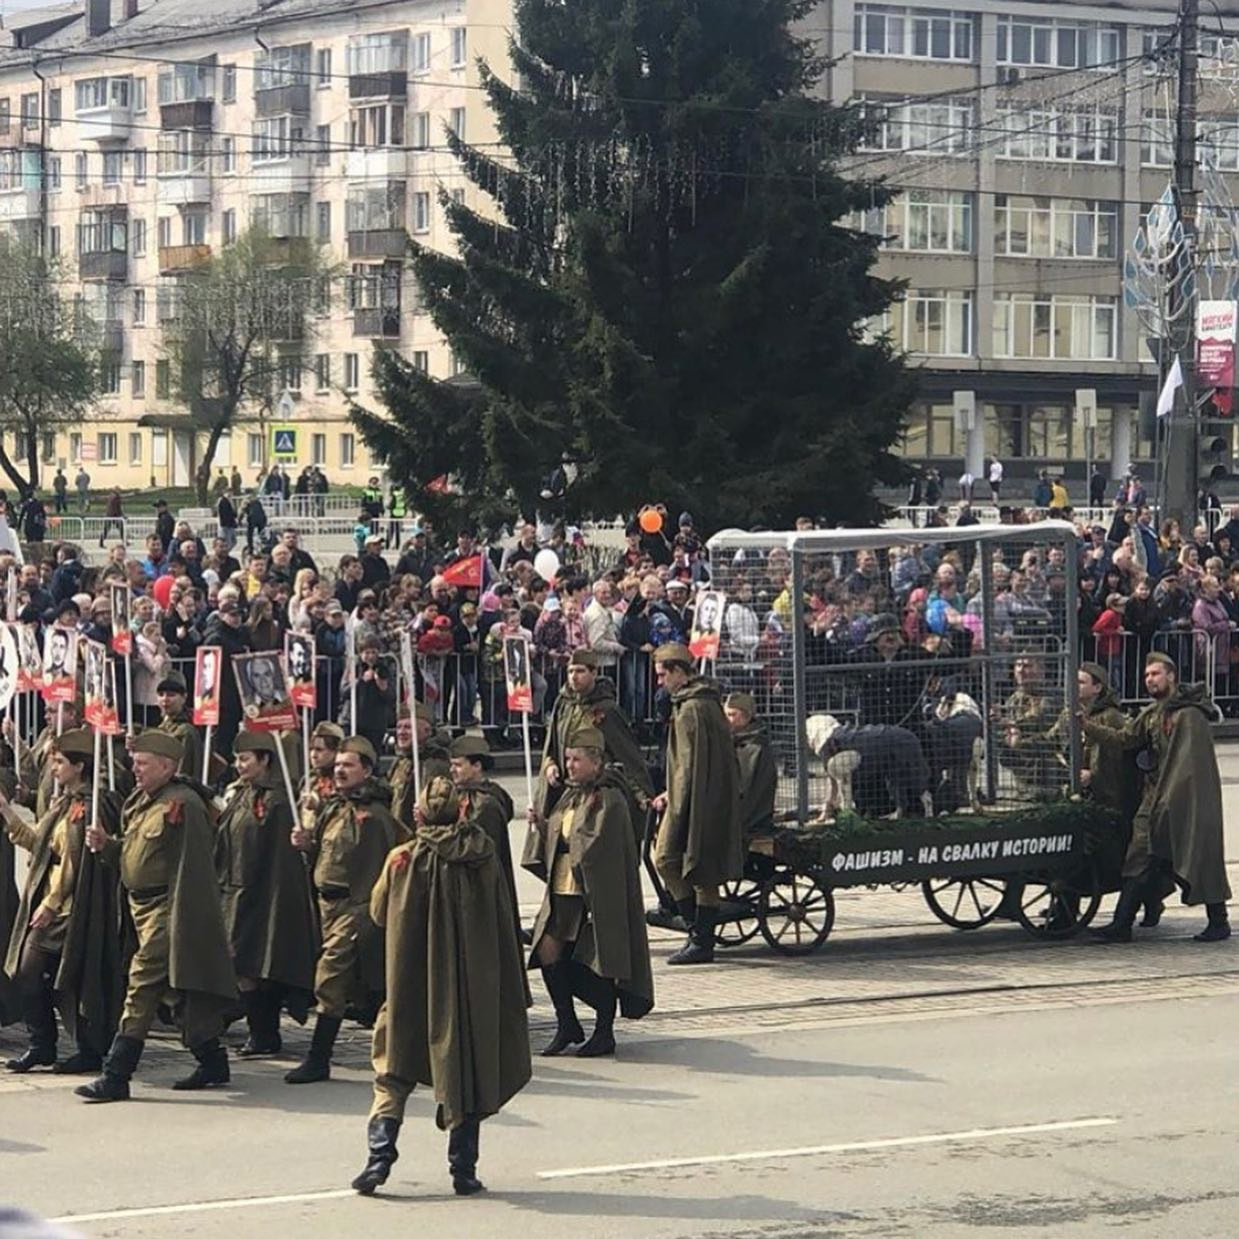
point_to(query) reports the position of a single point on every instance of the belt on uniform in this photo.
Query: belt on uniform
(146, 893)
(333, 892)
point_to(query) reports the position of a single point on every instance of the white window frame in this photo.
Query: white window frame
(1032, 226)
(923, 313)
(107, 447)
(939, 127)
(348, 449)
(926, 221)
(352, 372)
(1034, 326)
(135, 447)
(1054, 43)
(913, 34)
(459, 47)
(1058, 134)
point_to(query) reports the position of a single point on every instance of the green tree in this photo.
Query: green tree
(237, 329)
(50, 377)
(664, 285)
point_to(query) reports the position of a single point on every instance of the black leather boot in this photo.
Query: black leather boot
(1119, 929)
(700, 946)
(462, 1158)
(262, 1018)
(569, 1031)
(316, 1065)
(84, 1063)
(212, 1068)
(1218, 928)
(118, 1069)
(39, 1013)
(381, 1141)
(599, 992)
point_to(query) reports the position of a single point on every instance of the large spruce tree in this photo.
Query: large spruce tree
(665, 284)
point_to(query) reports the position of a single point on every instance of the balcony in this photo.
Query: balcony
(293, 100)
(111, 123)
(185, 188)
(378, 163)
(188, 114)
(103, 265)
(393, 84)
(18, 204)
(180, 259)
(290, 175)
(383, 322)
(378, 243)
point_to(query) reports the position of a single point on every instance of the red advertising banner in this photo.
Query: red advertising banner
(1215, 350)
(207, 667)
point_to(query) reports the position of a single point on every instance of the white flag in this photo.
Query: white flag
(1174, 380)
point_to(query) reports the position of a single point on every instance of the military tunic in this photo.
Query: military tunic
(1031, 755)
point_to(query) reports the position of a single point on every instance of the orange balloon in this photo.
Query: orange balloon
(649, 520)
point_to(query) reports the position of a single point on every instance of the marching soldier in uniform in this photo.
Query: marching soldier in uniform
(699, 841)
(325, 741)
(454, 1018)
(590, 939)
(433, 755)
(588, 700)
(165, 862)
(65, 951)
(267, 900)
(177, 722)
(35, 780)
(1029, 715)
(759, 771)
(348, 839)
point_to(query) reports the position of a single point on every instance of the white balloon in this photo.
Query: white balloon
(546, 564)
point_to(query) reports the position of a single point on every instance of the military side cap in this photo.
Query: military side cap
(587, 738)
(333, 733)
(439, 803)
(743, 702)
(1156, 656)
(424, 713)
(1096, 672)
(173, 682)
(76, 743)
(583, 658)
(469, 746)
(160, 743)
(673, 652)
(254, 742)
(362, 747)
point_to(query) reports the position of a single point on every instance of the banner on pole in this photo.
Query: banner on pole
(122, 633)
(98, 689)
(516, 671)
(59, 665)
(299, 664)
(9, 668)
(29, 660)
(707, 624)
(1215, 350)
(264, 692)
(207, 666)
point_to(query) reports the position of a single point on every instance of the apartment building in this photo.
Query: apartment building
(138, 136)
(1027, 141)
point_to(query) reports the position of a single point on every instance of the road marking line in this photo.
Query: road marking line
(203, 1206)
(857, 1146)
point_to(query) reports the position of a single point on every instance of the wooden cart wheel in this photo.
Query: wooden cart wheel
(964, 903)
(797, 911)
(1059, 905)
(737, 930)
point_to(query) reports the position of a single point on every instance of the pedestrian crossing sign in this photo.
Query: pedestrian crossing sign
(284, 441)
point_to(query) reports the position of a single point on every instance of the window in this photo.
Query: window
(322, 68)
(193, 227)
(181, 152)
(322, 372)
(228, 155)
(379, 125)
(6, 115)
(454, 364)
(456, 122)
(277, 137)
(933, 323)
(457, 196)
(1062, 327)
(931, 221)
(139, 307)
(378, 53)
(322, 294)
(373, 287)
(187, 82)
(318, 449)
(458, 45)
(75, 446)
(163, 379)
(229, 227)
(80, 169)
(109, 377)
(282, 215)
(137, 379)
(53, 107)
(53, 174)
(419, 136)
(139, 237)
(135, 436)
(322, 222)
(885, 30)
(113, 167)
(139, 94)
(228, 84)
(1045, 42)
(421, 360)
(1054, 227)
(253, 450)
(107, 448)
(322, 146)
(939, 127)
(375, 208)
(139, 166)
(1219, 141)
(49, 448)
(283, 66)
(1062, 134)
(421, 212)
(352, 372)
(348, 451)
(104, 231)
(53, 241)
(420, 60)
(290, 374)
(103, 92)
(30, 111)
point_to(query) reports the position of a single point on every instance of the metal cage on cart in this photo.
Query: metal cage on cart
(951, 651)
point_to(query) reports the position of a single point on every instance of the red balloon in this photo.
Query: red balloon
(162, 591)
(650, 520)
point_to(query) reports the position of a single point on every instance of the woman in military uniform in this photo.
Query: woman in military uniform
(65, 951)
(267, 901)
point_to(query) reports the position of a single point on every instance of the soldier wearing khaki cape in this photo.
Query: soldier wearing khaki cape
(348, 838)
(1177, 831)
(454, 1019)
(266, 896)
(176, 720)
(65, 949)
(758, 770)
(590, 937)
(432, 753)
(164, 856)
(700, 845)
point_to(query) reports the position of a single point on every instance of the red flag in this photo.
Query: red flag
(465, 573)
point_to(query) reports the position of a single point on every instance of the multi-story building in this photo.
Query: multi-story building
(138, 136)
(1027, 140)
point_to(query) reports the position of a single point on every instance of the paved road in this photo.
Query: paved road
(907, 1081)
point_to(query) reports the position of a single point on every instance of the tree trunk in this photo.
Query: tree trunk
(203, 477)
(32, 453)
(23, 487)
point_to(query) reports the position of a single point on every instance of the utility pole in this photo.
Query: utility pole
(1181, 482)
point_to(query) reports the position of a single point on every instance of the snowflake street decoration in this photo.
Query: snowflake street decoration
(1159, 278)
